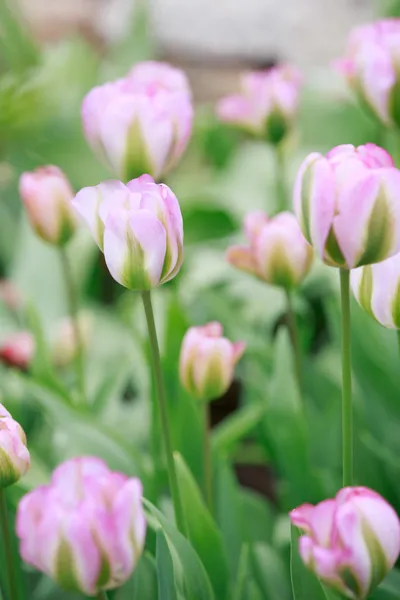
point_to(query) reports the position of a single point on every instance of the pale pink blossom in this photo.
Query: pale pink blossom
(18, 349)
(14, 454)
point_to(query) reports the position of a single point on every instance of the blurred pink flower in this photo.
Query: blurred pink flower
(14, 455)
(10, 295)
(277, 252)
(138, 226)
(348, 205)
(267, 104)
(86, 529)
(141, 123)
(64, 344)
(351, 542)
(18, 349)
(47, 194)
(207, 361)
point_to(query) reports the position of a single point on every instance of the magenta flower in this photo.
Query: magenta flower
(14, 455)
(207, 361)
(18, 349)
(371, 68)
(141, 123)
(277, 252)
(267, 104)
(47, 194)
(351, 542)
(139, 227)
(348, 205)
(86, 529)
(377, 290)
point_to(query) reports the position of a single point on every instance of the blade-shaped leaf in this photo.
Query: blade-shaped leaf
(165, 570)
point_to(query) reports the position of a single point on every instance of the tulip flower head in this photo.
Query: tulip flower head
(207, 361)
(371, 68)
(18, 349)
(267, 104)
(377, 290)
(141, 123)
(64, 344)
(348, 205)
(350, 542)
(86, 529)
(47, 194)
(139, 227)
(14, 455)
(277, 252)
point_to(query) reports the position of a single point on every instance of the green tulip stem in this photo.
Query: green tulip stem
(398, 339)
(294, 334)
(163, 412)
(207, 463)
(347, 409)
(280, 175)
(73, 307)
(102, 595)
(8, 549)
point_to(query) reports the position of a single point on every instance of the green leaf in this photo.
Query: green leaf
(165, 570)
(260, 527)
(203, 532)
(145, 580)
(389, 589)
(235, 427)
(192, 582)
(243, 572)
(270, 573)
(305, 585)
(206, 223)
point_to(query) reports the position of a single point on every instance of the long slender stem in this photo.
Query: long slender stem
(163, 411)
(280, 188)
(294, 331)
(5, 529)
(347, 409)
(398, 339)
(207, 464)
(102, 595)
(74, 311)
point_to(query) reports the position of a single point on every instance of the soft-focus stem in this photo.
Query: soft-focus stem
(398, 340)
(280, 173)
(207, 464)
(294, 332)
(102, 595)
(347, 409)
(73, 307)
(8, 549)
(163, 412)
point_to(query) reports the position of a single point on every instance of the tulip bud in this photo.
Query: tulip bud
(351, 542)
(267, 105)
(14, 455)
(371, 68)
(139, 227)
(348, 205)
(86, 529)
(10, 295)
(207, 361)
(377, 290)
(65, 344)
(142, 123)
(277, 252)
(47, 194)
(18, 349)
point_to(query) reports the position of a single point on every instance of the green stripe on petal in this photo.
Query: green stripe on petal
(64, 568)
(279, 271)
(379, 234)
(379, 566)
(396, 308)
(333, 255)
(8, 473)
(365, 290)
(306, 189)
(136, 160)
(134, 275)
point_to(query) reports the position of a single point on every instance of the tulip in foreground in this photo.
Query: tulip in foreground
(17, 350)
(348, 205)
(47, 194)
(267, 104)
(14, 455)
(207, 361)
(350, 542)
(371, 68)
(141, 123)
(86, 529)
(139, 228)
(277, 252)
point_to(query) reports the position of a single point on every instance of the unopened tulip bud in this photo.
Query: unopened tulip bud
(371, 68)
(139, 227)
(14, 455)
(267, 104)
(47, 195)
(277, 252)
(18, 349)
(142, 123)
(348, 205)
(351, 542)
(377, 290)
(86, 529)
(10, 295)
(207, 361)
(65, 345)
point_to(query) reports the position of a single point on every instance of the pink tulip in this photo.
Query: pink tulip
(277, 252)
(351, 542)
(142, 123)
(139, 227)
(267, 104)
(371, 68)
(15, 459)
(64, 344)
(348, 205)
(207, 361)
(47, 194)
(86, 529)
(377, 290)
(10, 295)
(18, 349)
